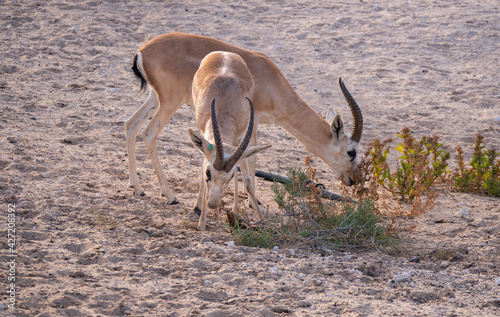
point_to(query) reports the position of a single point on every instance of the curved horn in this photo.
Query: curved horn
(219, 156)
(356, 113)
(243, 145)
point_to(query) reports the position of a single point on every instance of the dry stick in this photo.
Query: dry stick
(285, 180)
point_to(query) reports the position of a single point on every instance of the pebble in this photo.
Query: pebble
(401, 277)
(292, 252)
(464, 212)
(445, 264)
(207, 282)
(497, 119)
(305, 303)
(497, 280)
(274, 270)
(316, 282)
(2, 306)
(229, 243)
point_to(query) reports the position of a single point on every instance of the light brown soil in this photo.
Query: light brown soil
(86, 246)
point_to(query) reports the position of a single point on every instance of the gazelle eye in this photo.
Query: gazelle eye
(209, 175)
(352, 154)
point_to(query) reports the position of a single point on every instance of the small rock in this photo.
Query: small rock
(462, 204)
(422, 297)
(281, 310)
(274, 270)
(497, 280)
(229, 243)
(237, 258)
(464, 212)
(316, 282)
(292, 252)
(207, 282)
(445, 264)
(305, 303)
(2, 306)
(401, 277)
(276, 247)
(497, 119)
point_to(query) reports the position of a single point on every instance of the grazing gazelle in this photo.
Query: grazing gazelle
(168, 63)
(223, 79)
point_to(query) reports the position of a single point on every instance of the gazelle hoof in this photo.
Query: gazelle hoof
(175, 202)
(197, 211)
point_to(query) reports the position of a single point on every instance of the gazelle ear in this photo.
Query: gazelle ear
(338, 127)
(330, 114)
(199, 141)
(252, 150)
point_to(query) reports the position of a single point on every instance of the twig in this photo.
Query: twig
(285, 180)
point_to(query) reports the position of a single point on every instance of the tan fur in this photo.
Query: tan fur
(225, 78)
(169, 63)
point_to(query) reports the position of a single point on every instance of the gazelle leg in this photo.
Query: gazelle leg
(236, 208)
(199, 200)
(164, 113)
(202, 223)
(132, 127)
(250, 188)
(250, 172)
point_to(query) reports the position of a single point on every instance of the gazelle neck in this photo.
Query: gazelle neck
(306, 125)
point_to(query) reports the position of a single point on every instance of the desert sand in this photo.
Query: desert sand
(86, 246)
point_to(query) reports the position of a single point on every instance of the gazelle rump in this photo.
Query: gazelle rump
(168, 63)
(223, 78)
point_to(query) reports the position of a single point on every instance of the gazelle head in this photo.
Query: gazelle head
(344, 145)
(218, 167)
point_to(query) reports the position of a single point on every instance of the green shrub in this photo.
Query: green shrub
(261, 237)
(481, 174)
(420, 163)
(306, 216)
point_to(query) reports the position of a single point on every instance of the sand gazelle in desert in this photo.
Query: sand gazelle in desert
(223, 78)
(167, 63)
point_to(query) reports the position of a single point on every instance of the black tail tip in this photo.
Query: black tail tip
(138, 73)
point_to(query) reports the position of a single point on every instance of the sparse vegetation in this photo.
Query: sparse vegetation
(420, 164)
(481, 174)
(359, 221)
(306, 216)
(257, 236)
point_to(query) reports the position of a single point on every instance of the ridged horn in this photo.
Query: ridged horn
(356, 113)
(219, 155)
(243, 144)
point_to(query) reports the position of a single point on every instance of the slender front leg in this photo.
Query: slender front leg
(199, 200)
(236, 208)
(248, 175)
(247, 180)
(202, 223)
(132, 127)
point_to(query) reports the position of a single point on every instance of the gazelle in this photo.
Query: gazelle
(168, 63)
(223, 78)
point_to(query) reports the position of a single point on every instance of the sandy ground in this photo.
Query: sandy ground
(87, 247)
